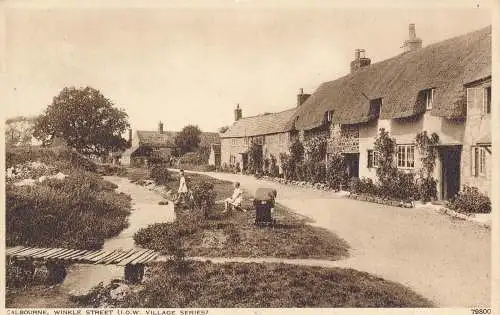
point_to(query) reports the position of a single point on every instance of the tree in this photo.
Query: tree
(223, 129)
(19, 130)
(85, 119)
(188, 140)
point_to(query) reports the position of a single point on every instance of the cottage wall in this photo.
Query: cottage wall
(276, 144)
(477, 127)
(231, 149)
(405, 131)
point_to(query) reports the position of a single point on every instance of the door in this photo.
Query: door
(450, 172)
(352, 164)
(244, 161)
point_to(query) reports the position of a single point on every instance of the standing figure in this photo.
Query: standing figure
(183, 190)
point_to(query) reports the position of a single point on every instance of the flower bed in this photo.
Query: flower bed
(380, 200)
(318, 186)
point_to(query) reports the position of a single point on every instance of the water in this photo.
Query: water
(145, 211)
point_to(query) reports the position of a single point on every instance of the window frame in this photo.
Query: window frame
(486, 108)
(329, 116)
(429, 98)
(403, 156)
(373, 159)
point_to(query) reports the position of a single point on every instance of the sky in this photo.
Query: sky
(191, 64)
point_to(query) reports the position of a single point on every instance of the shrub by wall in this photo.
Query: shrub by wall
(335, 171)
(471, 200)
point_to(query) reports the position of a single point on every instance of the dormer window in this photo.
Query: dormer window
(429, 98)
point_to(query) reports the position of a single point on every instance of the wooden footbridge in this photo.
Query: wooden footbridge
(132, 259)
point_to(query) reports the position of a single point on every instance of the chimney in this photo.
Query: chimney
(413, 42)
(360, 61)
(301, 97)
(160, 127)
(237, 113)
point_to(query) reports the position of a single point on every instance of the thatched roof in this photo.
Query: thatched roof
(166, 139)
(400, 81)
(264, 124)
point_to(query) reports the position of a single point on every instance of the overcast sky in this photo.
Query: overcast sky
(187, 65)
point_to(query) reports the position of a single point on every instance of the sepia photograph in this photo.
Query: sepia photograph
(177, 157)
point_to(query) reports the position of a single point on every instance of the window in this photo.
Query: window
(329, 116)
(282, 138)
(429, 98)
(233, 141)
(406, 156)
(487, 100)
(478, 161)
(373, 159)
(246, 140)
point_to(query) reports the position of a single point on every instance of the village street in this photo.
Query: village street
(444, 259)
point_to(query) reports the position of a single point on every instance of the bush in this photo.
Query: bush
(335, 171)
(203, 196)
(79, 212)
(471, 200)
(363, 186)
(62, 158)
(427, 189)
(109, 170)
(194, 158)
(160, 174)
(274, 170)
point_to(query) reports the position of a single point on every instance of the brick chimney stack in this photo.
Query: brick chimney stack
(237, 113)
(160, 127)
(360, 60)
(301, 97)
(413, 42)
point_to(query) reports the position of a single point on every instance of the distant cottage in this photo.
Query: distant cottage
(147, 146)
(443, 88)
(273, 132)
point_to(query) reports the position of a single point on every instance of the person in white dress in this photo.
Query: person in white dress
(183, 190)
(235, 200)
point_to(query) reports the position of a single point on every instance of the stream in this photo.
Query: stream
(81, 277)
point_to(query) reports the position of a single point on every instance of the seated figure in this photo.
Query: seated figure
(235, 201)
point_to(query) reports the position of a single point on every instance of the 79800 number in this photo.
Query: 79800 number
(481, 311)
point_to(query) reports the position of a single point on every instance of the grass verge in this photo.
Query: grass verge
(237, 285)
(234, 234)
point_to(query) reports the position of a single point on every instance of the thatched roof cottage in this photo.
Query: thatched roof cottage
(443, 88)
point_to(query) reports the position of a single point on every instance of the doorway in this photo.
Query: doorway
(450, 171)
(351, 161)
(244, 161)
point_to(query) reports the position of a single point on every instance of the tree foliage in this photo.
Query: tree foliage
(386, 148)
(85, 119)
(255, 159)
(19, 130)
(315, 148)
(223, 129)
(188, 140)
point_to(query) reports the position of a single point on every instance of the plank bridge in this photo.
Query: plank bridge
(56, 258)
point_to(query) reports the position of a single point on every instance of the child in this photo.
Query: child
(183, 190)
(235, 200)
